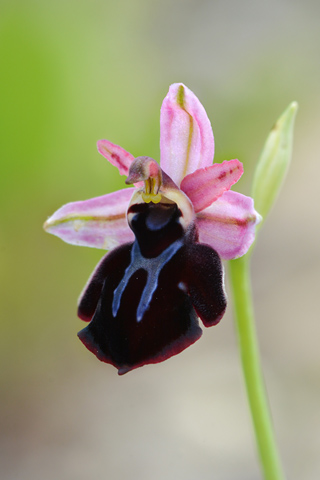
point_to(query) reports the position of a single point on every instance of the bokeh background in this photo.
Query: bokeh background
(73, 72)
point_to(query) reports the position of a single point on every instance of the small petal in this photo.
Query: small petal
(186, 138)
(228, 225)
(206, 185)
(116, 155)
(99, 222)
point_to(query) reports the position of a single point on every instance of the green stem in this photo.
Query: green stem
(249, 351)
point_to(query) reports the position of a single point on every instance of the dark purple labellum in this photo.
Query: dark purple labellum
(144, 299)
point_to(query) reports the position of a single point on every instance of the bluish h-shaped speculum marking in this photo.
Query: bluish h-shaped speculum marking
(153, 267)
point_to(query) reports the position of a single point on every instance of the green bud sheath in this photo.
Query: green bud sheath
(274, 162)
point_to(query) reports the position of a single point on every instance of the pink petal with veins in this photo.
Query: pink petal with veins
(116, 155)
(99, 222)
(228, 225)
(206, 185)
(186, 138)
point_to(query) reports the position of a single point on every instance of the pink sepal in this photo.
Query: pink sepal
(206, 185)
(99, 222)
(228, 225)
(116, 155)
(186, 138)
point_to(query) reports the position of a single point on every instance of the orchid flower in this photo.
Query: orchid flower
(166, 237)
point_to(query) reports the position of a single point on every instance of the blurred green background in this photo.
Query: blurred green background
(75, 72)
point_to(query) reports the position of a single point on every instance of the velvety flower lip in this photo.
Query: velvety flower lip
(225, 219)
(145, 298)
